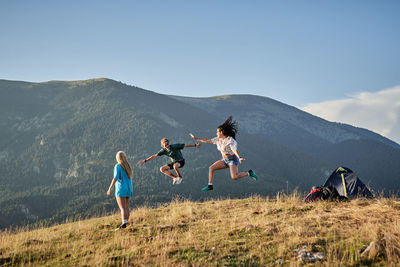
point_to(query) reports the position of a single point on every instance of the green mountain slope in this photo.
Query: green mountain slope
(59, 139)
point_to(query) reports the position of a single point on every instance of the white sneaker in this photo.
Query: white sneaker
(177, 180)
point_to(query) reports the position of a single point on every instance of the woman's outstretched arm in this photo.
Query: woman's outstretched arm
(204, 140)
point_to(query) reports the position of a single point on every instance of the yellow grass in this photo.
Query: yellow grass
(247, 232)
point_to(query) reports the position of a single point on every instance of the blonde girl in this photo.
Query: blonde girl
(123, 186)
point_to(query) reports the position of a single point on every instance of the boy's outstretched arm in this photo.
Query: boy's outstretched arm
(204, 140)
(147, 159)
(196, 145)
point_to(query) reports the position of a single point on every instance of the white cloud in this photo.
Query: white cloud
(378, 111)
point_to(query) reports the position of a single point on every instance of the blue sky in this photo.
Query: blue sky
(297, 52)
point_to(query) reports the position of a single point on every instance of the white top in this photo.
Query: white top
(226, 146)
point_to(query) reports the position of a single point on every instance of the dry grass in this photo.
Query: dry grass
(248, 232)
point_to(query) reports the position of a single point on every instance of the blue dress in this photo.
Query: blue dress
(123, 186)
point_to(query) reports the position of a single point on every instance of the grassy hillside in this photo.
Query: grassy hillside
(57, 150)
(254, 231)
(58, 142)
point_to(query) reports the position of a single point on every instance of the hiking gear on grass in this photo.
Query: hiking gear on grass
(314, 194)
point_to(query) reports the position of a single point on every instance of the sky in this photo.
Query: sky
(310, 54)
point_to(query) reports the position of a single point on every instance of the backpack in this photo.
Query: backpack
(315, 194)
(324, 193)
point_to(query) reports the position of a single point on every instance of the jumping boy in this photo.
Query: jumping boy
(174, 153)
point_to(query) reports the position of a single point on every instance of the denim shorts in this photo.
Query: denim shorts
(233, 160)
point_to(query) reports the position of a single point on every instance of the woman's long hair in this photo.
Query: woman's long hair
(229, 127)
(121, 159)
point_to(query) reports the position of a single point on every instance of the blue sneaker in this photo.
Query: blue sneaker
(207, 188)
(253, 174)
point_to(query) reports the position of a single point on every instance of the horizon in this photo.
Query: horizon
(304, 54)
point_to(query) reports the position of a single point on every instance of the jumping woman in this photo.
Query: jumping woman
(227, 145)
(174, 153)
(123, 186)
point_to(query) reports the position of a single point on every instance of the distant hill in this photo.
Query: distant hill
(58, 142)
(369, 154)
(282, 123)
(231, 232)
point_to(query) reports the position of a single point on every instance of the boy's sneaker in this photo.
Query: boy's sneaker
(253, 174)
(122, 226)
(207, 188)
(177, 180)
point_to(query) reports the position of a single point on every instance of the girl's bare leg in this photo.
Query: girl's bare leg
(123, 204)
(235, 174)
(218, 165)
(126, 208)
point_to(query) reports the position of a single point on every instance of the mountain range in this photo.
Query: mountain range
(59, 140)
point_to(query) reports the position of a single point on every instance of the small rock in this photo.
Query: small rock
(300, 250)
(371, 251)
(165, 227)
(305, 256)
(249, 226)
(279, 261)
(311, 256)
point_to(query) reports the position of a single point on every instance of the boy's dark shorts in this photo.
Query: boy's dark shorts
(171, 165)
